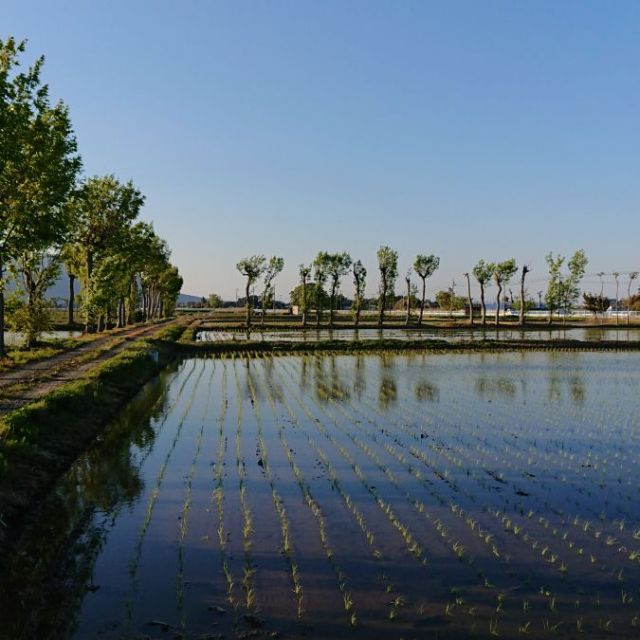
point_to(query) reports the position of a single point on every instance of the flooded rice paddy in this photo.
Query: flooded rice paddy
(369, 496)
(592, 334)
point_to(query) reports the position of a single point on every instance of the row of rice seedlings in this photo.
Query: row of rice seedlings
(610, 541)
(278, 504)
(186, 505)
(249, 569)
(404, 531)
(317, 512)
(547, 457)
(487, 537)
(453, 543)
(218, 493)
(456, 544)
(153, 498)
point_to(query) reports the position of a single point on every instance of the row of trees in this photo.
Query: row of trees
(321, 279)
(50, 216)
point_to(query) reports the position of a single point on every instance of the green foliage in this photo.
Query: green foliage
(214, 301)
(252, 267)
(563, 289)
(388, 267)
(595, 303)
(38, 162)
(426, 266)
(446, 300)
(483, 271)
(359, 285)
(312, 294)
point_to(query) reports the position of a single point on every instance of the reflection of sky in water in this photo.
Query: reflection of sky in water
(453, 335)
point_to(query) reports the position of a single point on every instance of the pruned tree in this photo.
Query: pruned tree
(632, 276)
(320, 275)
(305, 272)
(469, 299)
(425, 267)
(525, 271)
(553, 294)
(388, 267)
(407, 281)
(502, 273)
(272, 269)
(359, 283)
(482, 272)
(251, 268)
(337, 266)
(616, 275)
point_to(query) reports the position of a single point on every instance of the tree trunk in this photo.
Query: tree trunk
(248, 301)
(357, 318)
(304, 302)
(483, 304)
(331, 301)
(3, 351)
(383, 303)
(89, 326)
(120, 323)
(498, 305)
(72, 296)
(525, 270)
(264, 308)
(470, 300)
(317, 310)
(100, 322)
(424, 291)
(408, 320)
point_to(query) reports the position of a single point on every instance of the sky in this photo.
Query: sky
(480, 129)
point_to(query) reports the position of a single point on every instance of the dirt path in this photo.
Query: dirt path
(31, 381)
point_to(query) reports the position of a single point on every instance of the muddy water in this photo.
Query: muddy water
(384, 496)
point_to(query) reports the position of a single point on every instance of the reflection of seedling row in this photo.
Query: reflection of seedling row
(168, 411)
(278, 505)
(248, 572)
(183, 526)
(153, 498)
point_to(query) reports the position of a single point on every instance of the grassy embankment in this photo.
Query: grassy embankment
(39, 441)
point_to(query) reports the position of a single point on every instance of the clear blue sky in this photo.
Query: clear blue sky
(466, 129)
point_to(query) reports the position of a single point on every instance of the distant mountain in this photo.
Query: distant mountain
(185, 298)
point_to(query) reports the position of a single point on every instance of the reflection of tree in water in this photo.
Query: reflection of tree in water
(329, 385)
(495, 386)
(338, 389)
(274, 387)
(425, 390)
(388, 393)
(359, 383)
(558, 376)
(304, 374)
(45, 579)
